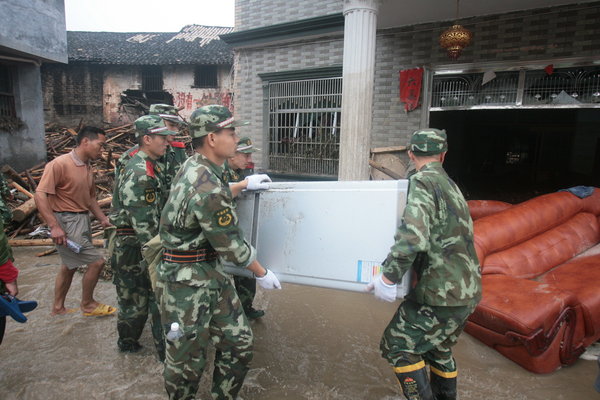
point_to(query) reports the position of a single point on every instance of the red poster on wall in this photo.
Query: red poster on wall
(410, 87)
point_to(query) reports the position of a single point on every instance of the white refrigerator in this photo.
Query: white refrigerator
(332, 234)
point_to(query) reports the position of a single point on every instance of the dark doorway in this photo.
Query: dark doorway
(514, 155)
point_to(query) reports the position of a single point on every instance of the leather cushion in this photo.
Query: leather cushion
(580, 277)
(483, 208)
(519, 305)
(523, 221)
(547, 250)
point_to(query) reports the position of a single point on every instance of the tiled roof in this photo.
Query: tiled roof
(194, 44)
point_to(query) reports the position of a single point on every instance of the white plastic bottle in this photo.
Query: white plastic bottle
(175, 332)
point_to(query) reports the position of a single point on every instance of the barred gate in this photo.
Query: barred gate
(304, 126)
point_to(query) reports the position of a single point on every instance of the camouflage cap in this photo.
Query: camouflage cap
(245, 146)
(151, 125)
(166, 111)
(211, 118)
(428, 142)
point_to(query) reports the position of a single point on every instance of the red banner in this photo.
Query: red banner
(410, 87)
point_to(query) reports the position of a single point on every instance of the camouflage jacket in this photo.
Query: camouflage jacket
(172, 161)
(231, 175)
(138, 197)
(124, 159)
(169, 164)
(436, 239)
(5, 212)
(200, 214)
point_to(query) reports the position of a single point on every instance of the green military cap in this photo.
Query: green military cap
(211, 118)
(245, 146)
(151, 125)
(166, 111)
(428, 142)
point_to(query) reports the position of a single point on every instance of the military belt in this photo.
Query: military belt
(189, 256)
(125, 231)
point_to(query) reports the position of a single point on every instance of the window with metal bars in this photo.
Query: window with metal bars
(527, 88)
(467, 90)
(563, 86)
(304, 126)
(152, 78)
(7, 97)
(205, 76)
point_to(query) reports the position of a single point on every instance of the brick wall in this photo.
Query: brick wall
(72, 92)
(250, 14)
(248, 99)
(542, 34)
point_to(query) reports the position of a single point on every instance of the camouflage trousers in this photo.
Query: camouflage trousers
(204, 315)
(419, 332)
(136, 298)
(246, 290)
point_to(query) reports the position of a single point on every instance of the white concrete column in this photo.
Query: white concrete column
(360, 27)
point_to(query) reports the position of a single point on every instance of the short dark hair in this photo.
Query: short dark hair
(198, 142)
(90, 132)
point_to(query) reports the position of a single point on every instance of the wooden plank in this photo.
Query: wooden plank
(44, 242)
(383, 169)
(388, 149)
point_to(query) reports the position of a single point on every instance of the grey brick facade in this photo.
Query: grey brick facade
(528, 36)
(250, 14)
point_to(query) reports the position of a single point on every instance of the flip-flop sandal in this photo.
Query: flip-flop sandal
(101, 311)
(9, 306)
(27, 305)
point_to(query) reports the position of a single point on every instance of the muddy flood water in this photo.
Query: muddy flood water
(313, 343)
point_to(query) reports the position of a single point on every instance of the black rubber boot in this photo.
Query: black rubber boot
(443, 388)
(415, 384)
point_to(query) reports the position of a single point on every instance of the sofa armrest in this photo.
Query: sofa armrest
(524, 311)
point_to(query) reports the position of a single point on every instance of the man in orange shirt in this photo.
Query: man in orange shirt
(65, 196)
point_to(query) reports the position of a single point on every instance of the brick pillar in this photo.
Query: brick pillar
(357, 90)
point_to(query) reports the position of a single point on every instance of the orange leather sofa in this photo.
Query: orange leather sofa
(540, 264)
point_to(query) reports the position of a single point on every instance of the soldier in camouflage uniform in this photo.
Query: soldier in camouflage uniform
(246, 287)
(5, 194)
(198, 230)
(435, 239)
(137, 202)
(175, 154)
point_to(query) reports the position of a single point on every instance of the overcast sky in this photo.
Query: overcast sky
(146, 15)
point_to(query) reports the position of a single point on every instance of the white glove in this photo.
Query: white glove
(382, 290)
(258, 181)
(269, 281)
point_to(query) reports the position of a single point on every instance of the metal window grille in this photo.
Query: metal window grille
(573, 87)
(304, 126)
(7, 98)
(564, 86)
(466, 90)
(205, 76)
(152, 79)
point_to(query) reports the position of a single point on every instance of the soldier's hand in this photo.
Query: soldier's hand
(268, 281)
(382, 290)
(258, 182)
